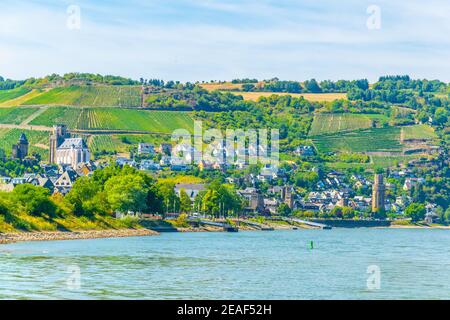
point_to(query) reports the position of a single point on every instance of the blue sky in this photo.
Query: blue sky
(192, 40)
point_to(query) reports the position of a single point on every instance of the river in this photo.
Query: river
(340, 264)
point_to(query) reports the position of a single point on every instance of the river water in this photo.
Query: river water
(343, 264)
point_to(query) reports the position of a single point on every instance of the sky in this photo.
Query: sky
(203, 40)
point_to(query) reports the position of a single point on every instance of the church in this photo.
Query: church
(65, 150)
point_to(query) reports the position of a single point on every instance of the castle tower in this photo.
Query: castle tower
(56, 139)
(378, 193)
(287, 196)
(23, 146)
(20, 150)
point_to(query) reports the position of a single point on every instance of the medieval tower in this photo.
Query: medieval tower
(20, 150)
(56, 139)
(378, 193)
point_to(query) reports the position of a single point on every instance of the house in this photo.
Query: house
(165, 161)
(412, 182)
(192, 189)
(304, 151)
(146, 149)
(254, 200)
(271, 205)
(165, 148)
(120, 161)
(65, 182)
(86, 168)
(149, 165)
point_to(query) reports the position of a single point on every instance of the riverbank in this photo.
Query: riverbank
(73, 235)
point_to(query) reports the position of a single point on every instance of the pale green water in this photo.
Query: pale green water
(247, 265)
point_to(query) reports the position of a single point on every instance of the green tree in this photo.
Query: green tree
(284, 210)
(185, 202)
(416, 211)
(34, 200)
(127, 193)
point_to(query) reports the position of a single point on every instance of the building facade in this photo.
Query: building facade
(72, 152)
(56, 139)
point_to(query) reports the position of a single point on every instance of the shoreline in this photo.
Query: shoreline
(7, 238)
(14, 237)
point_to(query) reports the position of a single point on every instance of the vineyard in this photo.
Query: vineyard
(38, 140)
(122, 143)
(370, 140)
(6, 95)
(15, 115)
(115, 119)
(326, 123)
(102, 96)
(421, 131)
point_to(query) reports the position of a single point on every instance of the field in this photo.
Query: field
(15, 115)
(6, 95)
(370, 140)
(115, 119)
(121, 96)
(37, 140)
(254, 96)
(422, 132)
(326, 123)
(221, 86)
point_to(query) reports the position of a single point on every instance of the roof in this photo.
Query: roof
(77, 143)
(23, 138)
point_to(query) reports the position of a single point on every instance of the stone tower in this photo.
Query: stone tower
(378, 193)
(20, 150)
(56, 139)
(287, 196)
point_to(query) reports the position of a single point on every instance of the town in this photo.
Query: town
(265, 190)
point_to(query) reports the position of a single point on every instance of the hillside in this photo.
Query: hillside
(94, 95)
(110, 118)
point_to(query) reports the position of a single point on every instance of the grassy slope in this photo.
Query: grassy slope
(24, 222)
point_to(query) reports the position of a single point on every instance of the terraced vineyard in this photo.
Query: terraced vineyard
(15, 115)
(115, 119)
(370, 140)
(6, 95)
(38, 140)
(326, 123)
(122, 143)
(421, 131)
(121, 96)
